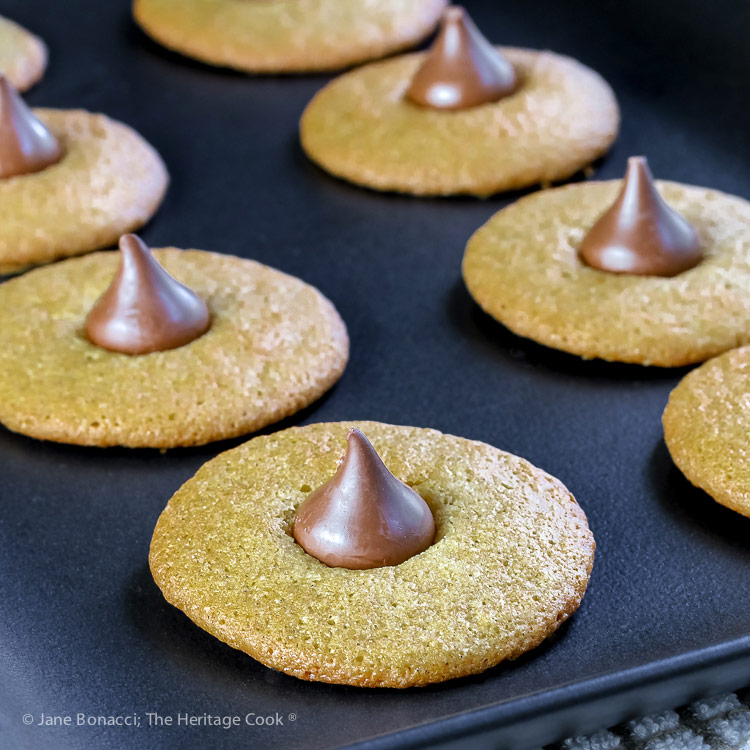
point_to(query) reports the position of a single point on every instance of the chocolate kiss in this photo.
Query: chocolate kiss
(363, 517)
(25, 144)
(462, 68)
(640, 234)
(145, 309)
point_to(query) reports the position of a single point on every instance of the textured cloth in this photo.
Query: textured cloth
(721, 723)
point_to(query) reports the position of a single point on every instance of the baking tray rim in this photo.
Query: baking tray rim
(535, 704)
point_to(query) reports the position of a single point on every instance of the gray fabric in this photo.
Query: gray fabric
(721, 723)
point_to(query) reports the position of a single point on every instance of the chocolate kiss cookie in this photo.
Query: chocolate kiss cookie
(509, 562)
(70, 182)
(462, 69)
(273, 345)
(524, 267)
(463, 118)
(145, 309)
(363, 517)
(276, 36)
(26, 146)
(707, 428)
(641, 233)
(23, 56)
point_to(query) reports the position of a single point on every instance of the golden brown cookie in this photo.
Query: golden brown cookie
(276, 36)
(274, 346)
(511, 560)
(361, 128)
(109, 182)
(707, 428)
(523, 268)
(23, 56)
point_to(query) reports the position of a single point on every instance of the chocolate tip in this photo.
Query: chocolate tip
(638, 162)
(131, 242)
(355, 437)
(638, 169)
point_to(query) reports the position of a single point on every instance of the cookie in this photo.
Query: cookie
(23, 56)
(276, 36)
(523, 268)
(706, 428)
(275, 344)
(510, 562)
(362, 128)
(109, 182)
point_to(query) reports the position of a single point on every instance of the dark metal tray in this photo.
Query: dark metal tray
(84, 629)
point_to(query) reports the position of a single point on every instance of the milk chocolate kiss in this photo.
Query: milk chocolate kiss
(25, 144)
(145, 309)
(462, 68)
(363, 517)
(640, 234)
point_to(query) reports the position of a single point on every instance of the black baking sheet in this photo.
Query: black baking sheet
(83, 628)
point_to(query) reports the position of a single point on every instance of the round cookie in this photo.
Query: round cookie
(295, 36)
(23, 56)
(108, 183)
(274, 346)
(706, 428)
(511, 560)
(523, 268)
(361, 128)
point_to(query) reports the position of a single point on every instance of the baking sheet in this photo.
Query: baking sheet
(83, 628)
